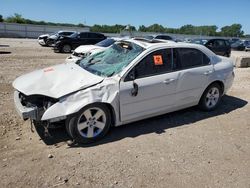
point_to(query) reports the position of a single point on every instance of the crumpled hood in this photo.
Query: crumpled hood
(87, 48)
(56, 81)
(53, 36)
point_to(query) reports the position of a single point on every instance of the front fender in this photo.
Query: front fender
(72, 103)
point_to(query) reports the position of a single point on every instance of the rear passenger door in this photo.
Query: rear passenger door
(195, 70)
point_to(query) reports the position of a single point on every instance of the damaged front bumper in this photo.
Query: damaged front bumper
(23, 111)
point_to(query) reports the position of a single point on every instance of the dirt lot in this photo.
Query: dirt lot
(188, 148)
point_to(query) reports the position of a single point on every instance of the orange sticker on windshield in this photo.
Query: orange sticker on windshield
(158, 60)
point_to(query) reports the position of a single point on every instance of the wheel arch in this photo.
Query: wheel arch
(111, 110)
(219, 82)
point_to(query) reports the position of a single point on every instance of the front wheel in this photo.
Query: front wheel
(66, 48)
(211, 97)
(89, 124)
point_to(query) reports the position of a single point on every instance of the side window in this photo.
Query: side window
(190, 57)
(227, 43)
(210, 43)
(95, 36)
(83, 35)
(219, 43)
(68, 33)
(157, 62)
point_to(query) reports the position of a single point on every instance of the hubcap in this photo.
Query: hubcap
(212, 97)
(91, 123)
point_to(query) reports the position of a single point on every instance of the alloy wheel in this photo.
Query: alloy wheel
(91, 122)
(212, 97)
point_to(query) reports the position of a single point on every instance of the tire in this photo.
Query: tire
(211, 97)
(49, 43)
(66, 48)
(82, 126)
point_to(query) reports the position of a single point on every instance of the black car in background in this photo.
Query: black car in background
(66, 44)
(219, 46)
(53, 38)
(240, 45)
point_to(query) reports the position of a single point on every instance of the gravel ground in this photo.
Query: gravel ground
(188, 148)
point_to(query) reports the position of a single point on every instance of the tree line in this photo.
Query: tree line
(17, 18)
(234, 30)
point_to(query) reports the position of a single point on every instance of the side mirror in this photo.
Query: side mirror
(131, 75)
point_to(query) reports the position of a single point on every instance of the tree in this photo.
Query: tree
(156, 28)
(80, 25)
(17, 18)
(142, 28)
(1, 18)
(232, 31)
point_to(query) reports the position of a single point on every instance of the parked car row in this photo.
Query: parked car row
(241, 45)
(223, 46)
(130, 80)
(50, 39)
(66, 41)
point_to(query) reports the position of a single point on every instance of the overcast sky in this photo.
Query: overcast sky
(173, 13)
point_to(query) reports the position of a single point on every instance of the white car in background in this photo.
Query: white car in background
(132, 80)
(86, 50)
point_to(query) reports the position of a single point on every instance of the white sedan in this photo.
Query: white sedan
(86, 50)
(131, 80)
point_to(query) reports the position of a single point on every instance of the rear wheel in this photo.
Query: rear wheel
(211, 97)
(89, 124)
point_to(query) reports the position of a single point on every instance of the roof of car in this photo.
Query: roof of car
(156, 43)
(66, 31)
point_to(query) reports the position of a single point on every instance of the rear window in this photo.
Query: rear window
(164, 37)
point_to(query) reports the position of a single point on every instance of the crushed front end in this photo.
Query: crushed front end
(33, 106)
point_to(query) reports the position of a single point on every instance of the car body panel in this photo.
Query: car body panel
(52, 81)
(154, 95)
(191, 83)
(104, 92)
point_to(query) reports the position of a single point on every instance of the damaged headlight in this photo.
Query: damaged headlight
(38, 101)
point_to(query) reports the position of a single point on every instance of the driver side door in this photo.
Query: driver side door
(155, 83)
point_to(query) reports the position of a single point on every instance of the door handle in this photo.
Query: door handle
(168, 81)
(208, 72)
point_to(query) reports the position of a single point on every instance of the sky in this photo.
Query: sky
(169, 13)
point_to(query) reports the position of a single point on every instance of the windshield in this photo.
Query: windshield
(74, 35)
(112, 60)
(106, 43)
